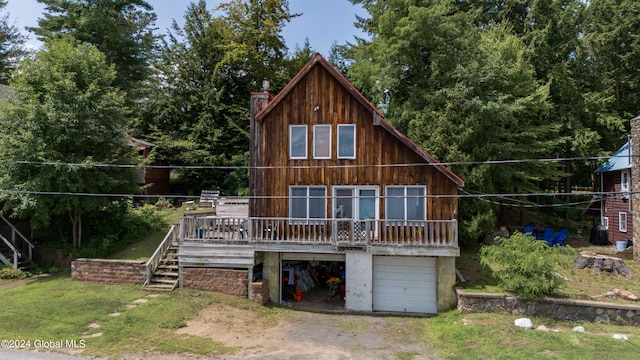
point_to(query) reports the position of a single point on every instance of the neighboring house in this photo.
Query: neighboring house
(335, 187)
(615, 206)
(155, 179)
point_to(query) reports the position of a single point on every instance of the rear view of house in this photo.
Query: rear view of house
(336, 192)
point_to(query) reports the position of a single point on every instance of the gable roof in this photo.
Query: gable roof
(377, 117)
(619, 161)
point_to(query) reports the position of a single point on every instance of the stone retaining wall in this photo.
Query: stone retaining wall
(562, 309)
(260, 291)
(108, 271)
(226, 281)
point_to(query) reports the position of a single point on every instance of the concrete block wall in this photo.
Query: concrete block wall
(226, 281)
(562, 309)
(107, 271)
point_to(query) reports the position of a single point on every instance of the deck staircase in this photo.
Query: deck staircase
(162, 268)
(15, 250)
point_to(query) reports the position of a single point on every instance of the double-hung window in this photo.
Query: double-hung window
(405, 203)
(322, 141)
(307, 202)
(346, 141)
(298, 141)
(622, 222)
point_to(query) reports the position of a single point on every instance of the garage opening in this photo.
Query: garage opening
(313, 285)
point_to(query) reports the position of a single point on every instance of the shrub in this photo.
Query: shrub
(526, 266)
(11, 273)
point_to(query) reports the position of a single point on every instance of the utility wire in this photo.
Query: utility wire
(225, 167)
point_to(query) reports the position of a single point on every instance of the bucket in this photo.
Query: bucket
(621, 245)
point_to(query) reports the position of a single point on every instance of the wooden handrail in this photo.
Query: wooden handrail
(16, 254)
(24, 239)
(154, 261)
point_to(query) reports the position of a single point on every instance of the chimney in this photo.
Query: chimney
(259, 100)
(635, 184)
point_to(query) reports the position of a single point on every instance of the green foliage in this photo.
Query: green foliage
(126, 225)
(11, 273)
(526, 266)
(198, 111)
(11, 41)
(66, 111)
(122, 30)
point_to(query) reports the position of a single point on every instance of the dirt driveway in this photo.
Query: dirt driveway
(305, 335)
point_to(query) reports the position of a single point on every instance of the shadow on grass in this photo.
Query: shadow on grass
(478, 276)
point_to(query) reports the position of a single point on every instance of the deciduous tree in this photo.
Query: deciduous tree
(66, 110)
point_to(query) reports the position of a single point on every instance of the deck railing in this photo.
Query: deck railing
(437, 233)
(19, 241)
(156, 258)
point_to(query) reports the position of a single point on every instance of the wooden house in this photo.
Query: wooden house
(155, 180)
(615, 205)
(336, 192)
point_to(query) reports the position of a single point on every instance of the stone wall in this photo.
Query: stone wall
(260, 291)
(108, 271)
(226, 281)
(562, 309)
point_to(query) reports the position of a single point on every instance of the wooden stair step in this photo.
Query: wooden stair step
(163, 281)
(171, 267)
(166, 273)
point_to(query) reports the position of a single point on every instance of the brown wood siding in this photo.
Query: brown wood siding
(319, 98)
(614, 205)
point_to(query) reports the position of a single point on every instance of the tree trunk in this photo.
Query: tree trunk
(600, 263)
(76, 227)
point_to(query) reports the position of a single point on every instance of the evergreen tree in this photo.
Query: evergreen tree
(121, 29)
(198, 114)
(11, 42)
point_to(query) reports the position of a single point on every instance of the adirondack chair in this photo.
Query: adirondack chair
(528, 230)
(560, 237)
(548, 235)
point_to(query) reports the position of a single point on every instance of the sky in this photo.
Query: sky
(322, 21)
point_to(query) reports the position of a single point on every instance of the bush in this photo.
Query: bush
(526, 266)
(11, 273)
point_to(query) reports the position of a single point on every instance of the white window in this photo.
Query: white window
(307, 202)
(624, 183)
(346, 141)
(605, 222)
(622, 222)
(405, 202)
(322, 141)
(298, 141)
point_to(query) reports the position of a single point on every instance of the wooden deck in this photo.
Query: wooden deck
(334, 232)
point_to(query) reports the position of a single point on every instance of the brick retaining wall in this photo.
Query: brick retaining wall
(260, 291)
(226, 281)
(108, 271)
(562, 309)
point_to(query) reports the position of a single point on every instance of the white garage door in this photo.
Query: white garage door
(404, 284)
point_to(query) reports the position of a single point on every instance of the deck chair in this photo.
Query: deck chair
(528, 230)
(560, 237)
(548, 236)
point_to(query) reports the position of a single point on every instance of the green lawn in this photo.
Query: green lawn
(57, 308)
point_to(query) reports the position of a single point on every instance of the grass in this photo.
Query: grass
(581, 284)
(58, 308)
(493, 336)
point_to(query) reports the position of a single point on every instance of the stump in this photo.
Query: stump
(599, 263)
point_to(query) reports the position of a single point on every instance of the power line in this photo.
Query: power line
(267, 197)
(237, 167)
